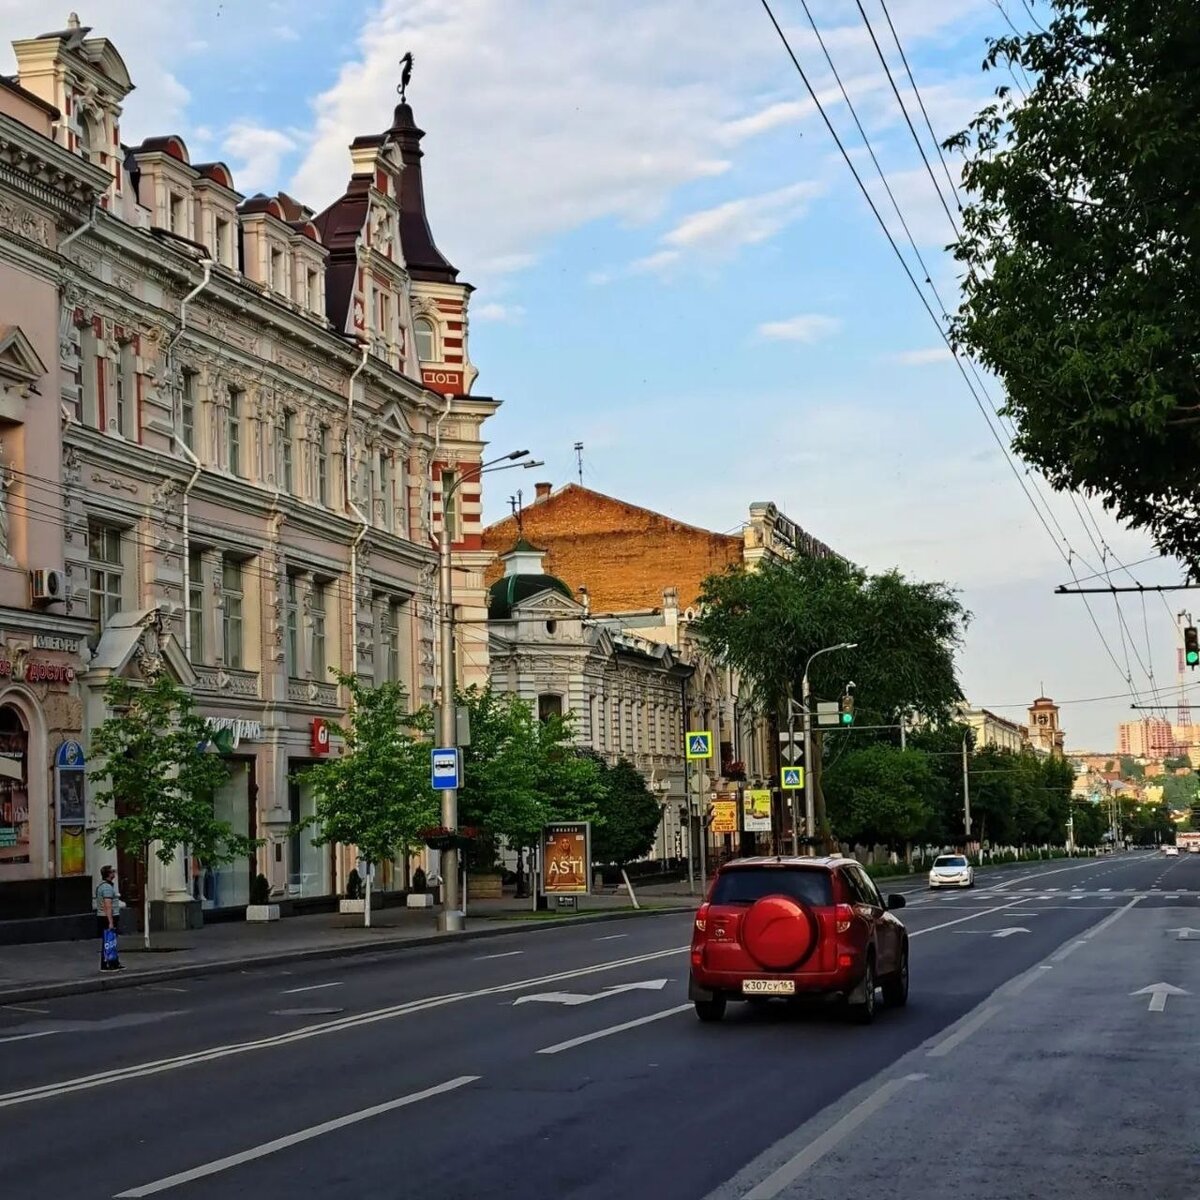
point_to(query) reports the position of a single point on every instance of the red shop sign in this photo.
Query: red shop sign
(320, 735)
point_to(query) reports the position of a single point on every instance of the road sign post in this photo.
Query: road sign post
(698, 747)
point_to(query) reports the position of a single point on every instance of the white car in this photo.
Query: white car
(1171, 851)
(951, 870)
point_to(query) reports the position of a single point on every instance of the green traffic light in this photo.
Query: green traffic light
(1193, 657)
(847, 718)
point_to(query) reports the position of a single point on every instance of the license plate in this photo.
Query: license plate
(768, 987)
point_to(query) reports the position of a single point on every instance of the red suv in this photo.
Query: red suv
(797, 926)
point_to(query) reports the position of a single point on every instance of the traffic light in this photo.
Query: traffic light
(846, 705)
(1191, 646)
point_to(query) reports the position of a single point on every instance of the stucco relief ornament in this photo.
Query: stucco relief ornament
(6, 481)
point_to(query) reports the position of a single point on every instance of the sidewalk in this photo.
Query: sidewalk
(45, 969)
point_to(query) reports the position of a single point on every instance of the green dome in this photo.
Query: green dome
(510, 590)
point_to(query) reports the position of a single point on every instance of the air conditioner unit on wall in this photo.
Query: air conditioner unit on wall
(48, 587)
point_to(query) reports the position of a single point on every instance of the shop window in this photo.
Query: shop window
(309, 870)
(105, 571)
(228, 885)
(14, 793)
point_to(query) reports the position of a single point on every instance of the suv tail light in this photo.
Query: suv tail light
(844, 914)
(702, 918)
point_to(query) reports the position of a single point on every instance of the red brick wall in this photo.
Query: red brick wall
(623, 554)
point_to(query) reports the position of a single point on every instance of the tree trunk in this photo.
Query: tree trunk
(367, 898)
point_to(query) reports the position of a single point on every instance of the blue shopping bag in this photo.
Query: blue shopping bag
(110, 945)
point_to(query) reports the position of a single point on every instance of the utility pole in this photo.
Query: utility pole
(967, 796)
(810, 814)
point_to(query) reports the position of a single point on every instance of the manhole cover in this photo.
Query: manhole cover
(305, 1012)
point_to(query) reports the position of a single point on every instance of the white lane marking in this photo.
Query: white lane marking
(1109, 920)
(559, 1047)
(83, 1083)
(1069, 948)
(612, 937)
(292, 1139)
(983, 912)
(161, 987)
(25, 1008)
(312, 987)
(963, 1032)
(24, 1037)
(1106, 889)
(506, 954)
(791, 1170)
(1173, 896)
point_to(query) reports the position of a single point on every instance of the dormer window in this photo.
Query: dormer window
(425, 340)
(177, 214)
(278, 276)
(314, 291)
(222, 251)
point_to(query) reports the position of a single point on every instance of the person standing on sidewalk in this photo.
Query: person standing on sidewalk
(108, 910)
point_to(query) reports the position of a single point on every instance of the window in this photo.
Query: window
(221, 242)
(232, 589)
(319, 597)
(105, 571)
(383, 315)
(196, 603)
(745, 886)
(125, 388)
(450, 487)
(292, 618)
(278, 275)
(323, 465)
(91, 376)
(314, 291)
(425, 340)
(188, 409)
(233, 431)
(549, 705)
(177, 215)
(385, 490)
(390, 644)
(287, 439)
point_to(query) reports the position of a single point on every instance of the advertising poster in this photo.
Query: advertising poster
(566, 858)
(756, 810)
(72, 850)
(724, 816)
(72, 809)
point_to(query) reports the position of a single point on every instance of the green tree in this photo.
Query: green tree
(879, 794)
(1131, 769)
(768, 622)
(1081, 282)
(629, 817)
(377, 794)
(161, 777)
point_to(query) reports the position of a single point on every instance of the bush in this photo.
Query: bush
(260, 890)
(354, 885)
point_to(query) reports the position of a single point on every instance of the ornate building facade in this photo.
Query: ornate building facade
(248, 413)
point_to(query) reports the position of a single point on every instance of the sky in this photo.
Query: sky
(675, 267)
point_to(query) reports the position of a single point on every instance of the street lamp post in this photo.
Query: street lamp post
(810, 819)
(450, 920)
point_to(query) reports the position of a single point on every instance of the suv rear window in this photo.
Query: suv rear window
(747, 884)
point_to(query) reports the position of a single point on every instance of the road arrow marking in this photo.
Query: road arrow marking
(1184, 933)
(574, 998)
(1003, 933)
(1158, 993)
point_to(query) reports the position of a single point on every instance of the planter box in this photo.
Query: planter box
(419, 900)
(352, 906)
(485, 887)
(262, 912)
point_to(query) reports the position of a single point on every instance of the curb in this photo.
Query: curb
(226, 966)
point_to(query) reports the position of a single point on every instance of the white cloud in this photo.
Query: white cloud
(743, 222)
(923, 358)
(255, 155)
(285, 33)
(808, 328)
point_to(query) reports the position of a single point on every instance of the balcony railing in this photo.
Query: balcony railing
(225, 681)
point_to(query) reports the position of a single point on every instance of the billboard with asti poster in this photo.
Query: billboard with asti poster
(566, 858)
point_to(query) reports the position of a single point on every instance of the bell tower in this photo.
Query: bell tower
(1045, 733)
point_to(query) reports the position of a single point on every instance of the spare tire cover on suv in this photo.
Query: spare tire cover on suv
(779, 932)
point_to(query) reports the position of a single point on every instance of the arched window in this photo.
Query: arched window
(425, 340)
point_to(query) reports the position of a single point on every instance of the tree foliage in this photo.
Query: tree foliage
(160, 777)
(1082, 279)
(377, 794)
(628, 818)
(879, 794)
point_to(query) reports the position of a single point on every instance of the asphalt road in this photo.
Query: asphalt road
(440, 1072)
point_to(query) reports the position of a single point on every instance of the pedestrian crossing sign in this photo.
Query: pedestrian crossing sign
(699, 744)
(793, 778)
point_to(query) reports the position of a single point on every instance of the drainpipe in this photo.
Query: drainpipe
(88, 224)
(176, 418)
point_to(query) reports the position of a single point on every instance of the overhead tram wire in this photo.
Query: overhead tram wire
(925, 303)
(924, 113)
(903, 108)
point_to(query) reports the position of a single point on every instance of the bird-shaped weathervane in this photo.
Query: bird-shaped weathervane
(406, 66)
